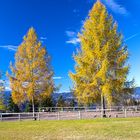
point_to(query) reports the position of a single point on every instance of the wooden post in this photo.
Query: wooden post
(135, 112)
(1, 116)
(79, 114)
(73, 108)
(39, 109)
(125, 113)
(58, 115)
(38, 116)
(19, 118)
(101, 113)
(136, 108)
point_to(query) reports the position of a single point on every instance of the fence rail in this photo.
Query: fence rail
(73, 114)
(55, 109)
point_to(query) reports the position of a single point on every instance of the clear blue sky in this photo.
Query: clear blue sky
(57, 23)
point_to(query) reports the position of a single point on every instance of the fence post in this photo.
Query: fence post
(135, 112)
(58, 115)
(73, 108)
(1, 116)
(79, 114)
(136, 108)
(101, 113)
(39, 109)
(19, 117)
(38, 116)
(125, 112)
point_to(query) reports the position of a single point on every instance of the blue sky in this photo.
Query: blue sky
(57, 23)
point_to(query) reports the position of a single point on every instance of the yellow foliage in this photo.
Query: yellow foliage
(2, 106)
(100, 64)
(31, 74)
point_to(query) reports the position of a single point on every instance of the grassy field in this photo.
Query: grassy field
(98, 129)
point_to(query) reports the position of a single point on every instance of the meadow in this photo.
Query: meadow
(97, 129)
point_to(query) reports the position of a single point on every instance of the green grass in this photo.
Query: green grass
(97, 129)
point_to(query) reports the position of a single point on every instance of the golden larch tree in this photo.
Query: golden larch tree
(32, 75)
(2, 88)
(101, 69)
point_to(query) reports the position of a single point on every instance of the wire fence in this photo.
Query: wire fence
(73, 114)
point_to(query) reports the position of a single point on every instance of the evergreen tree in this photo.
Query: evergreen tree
(31, 77)
(60, 101)
(46, 102)
(12, 107)
(100, 63)
(128, 92)
(72, 103)
(28, 107)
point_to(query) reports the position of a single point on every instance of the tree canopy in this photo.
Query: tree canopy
(100, 69)
(32, 75)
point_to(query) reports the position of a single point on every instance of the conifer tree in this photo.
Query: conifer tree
(31, 77)
(12, 107)
(60, 101)
(101, 69)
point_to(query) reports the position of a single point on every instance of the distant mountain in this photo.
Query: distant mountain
(65, 95)
(55, 96)
(7, 93)
(69, 95)
(6, 96)
(137, 93)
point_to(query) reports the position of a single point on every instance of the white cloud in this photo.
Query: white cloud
(8, 89)
(57, 77)
(132, 36)
(6, 84)
(9, 47)
(116, 8)
(70, 33)
(73, 39)
(1, 81)
(43, 38)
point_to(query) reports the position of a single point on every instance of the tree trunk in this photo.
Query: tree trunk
(33, 108)
(103, 106)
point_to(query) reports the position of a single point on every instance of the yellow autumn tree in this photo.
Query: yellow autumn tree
(2, 106)
(31, 77)
(100, 70)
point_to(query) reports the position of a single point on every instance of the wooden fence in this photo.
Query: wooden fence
(73, 114)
